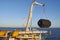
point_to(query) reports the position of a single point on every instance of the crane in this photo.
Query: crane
(30, 12)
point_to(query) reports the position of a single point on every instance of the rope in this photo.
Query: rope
(44, 12)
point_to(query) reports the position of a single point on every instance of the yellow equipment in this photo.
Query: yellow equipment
(3, 33)
(15, 33)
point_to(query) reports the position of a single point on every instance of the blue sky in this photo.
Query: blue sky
(14, 12)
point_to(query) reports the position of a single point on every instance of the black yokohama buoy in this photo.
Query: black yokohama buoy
(44, 23)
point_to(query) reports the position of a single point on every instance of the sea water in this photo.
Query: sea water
(55, 32)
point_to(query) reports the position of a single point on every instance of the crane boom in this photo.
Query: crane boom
(30, 13)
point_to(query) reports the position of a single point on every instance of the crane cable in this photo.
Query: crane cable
(44, 12)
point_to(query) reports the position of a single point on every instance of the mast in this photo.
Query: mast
(30, 13)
